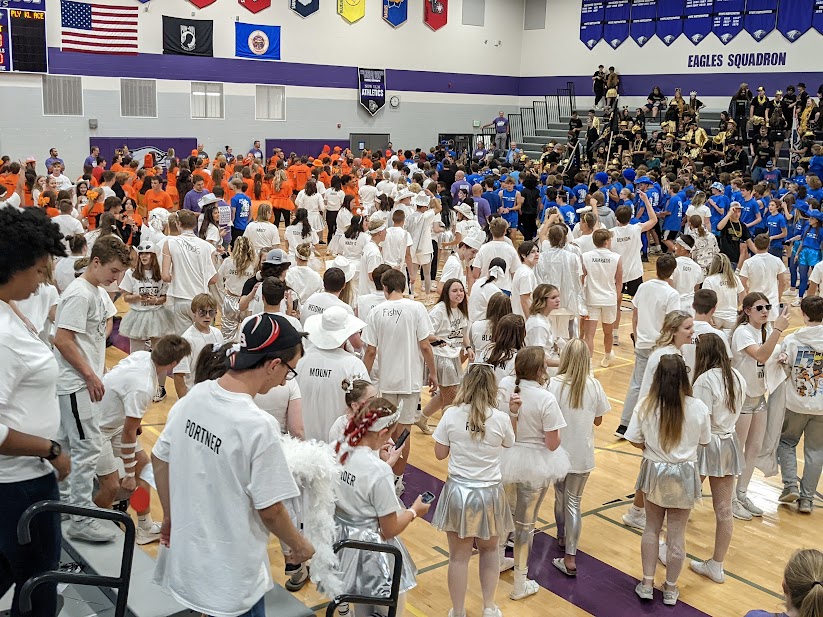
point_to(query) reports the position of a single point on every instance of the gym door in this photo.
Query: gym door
(375, 142)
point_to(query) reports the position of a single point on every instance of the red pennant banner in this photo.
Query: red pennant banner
(255, 6)
(435, 13)
(201, 4)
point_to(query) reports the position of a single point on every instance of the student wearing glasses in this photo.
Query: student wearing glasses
(199, 335)
(753, 342)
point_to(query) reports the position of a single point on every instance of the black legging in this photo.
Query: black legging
(528, 226)
(280, 213)
(331, 224)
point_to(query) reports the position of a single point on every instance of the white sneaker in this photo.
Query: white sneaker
(662, 552)
(607, 359)
(797, 302)
(739, 511)
(91, 530)
(709, 569)
(147, 536)
(747, 503)
(635, 518)
(492, 612)
(399, 485)
(506, 564)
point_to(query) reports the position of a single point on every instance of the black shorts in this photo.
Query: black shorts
(630, 287)
(670, 234)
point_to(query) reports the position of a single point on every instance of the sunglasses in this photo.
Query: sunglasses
(206, 312)
(762, 307)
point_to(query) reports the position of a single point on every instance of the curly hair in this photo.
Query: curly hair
(30, 236)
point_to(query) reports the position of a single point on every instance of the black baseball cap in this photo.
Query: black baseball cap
(263, 335)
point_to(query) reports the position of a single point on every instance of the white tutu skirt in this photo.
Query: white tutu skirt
(533, 465)
(367, 572)
(334, 245)
(142, 325)
(669, 485)
(473, 509)
(317, 221)
(722, 457)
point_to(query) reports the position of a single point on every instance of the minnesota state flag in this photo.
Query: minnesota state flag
(351, 10)
(256, 41)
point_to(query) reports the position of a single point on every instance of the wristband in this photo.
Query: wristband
(128, 445)
(413, 513)
(129, 465)
(130, 475)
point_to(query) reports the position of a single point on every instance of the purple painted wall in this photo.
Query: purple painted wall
(307, 147)
(140, 146)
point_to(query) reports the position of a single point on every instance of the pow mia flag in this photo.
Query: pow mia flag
(188, 37)
(372, 89)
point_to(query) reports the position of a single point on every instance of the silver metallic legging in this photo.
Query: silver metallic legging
(231, 318)
(524, 502)
(568, 493)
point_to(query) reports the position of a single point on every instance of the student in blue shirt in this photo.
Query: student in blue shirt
(601, 181)
(548, 201)
(771, 175)
(240, 212)
(799, 222)
(568, 212)
(674, 217)
(490, 195)
(750, 213)
(777, 228)
(474, 177)
(813, 188)
(718, 204)
(809, 255)
(581, 189)
(629, 175)
(510, 202)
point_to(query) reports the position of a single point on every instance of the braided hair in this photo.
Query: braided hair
(359, 424)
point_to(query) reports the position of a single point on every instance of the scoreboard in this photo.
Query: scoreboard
(23, 36)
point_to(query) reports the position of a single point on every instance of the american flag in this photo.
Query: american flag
(99, 28)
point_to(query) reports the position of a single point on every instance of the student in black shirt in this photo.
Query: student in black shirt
(734, 235)
(762, 155)
(575, 125)
(739, 108)
(599, 85)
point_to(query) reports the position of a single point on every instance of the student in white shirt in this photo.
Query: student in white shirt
(83, 322)
(218, 432)
(558, 265)
(766, 274)
(669, 426)
(472, 508)
(485, 287)
(602, 278)
(753, 342)
(69, 225)
(730, 291)
(371, 257)
(419, 225)
(334, 283)
(703, 308)
(583, 402)
(454, 267)
(539, 330)
(534, 462)
(368, 195)
(143, 288)
(524, 280)
(396, 247)
(508, 338)
(300, 231)
(705, 243)
(261, 232)
(480, 332)
(698, 207)
(358, 392)
(130, 387)
(200, 335)
(497, 248)
(688, 274)
(312, 200)
(588, 224)
(64, 272)
(302, 279)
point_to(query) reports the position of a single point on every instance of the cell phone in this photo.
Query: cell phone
(427, 497)
(402, 439)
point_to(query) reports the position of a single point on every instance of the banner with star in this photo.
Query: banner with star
(351, 10)
(395, 12)
(435, 13)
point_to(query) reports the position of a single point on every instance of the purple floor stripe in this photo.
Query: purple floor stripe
(118, 340)
(600, 589)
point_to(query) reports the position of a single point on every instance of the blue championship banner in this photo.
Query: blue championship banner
(761, 18)
(698, 20)
(591, 22)
(372, 89)
(794, 17)
(304, 8)
(642, 21)
(395, 12)
(728, 19)
(670, 20)
(817, 18)
(616, 23)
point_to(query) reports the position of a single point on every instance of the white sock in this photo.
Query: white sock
(144, 521)
(637, 510)
(671, 584)
(716, 565)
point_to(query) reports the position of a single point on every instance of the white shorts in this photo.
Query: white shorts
(407, 404)
(109, 455)
(605, 314)
(421, 259)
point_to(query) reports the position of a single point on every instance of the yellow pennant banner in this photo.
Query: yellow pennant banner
(351, 10)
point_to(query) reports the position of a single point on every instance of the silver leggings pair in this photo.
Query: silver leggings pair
(524, 502)
(231, 318)
(567, 514)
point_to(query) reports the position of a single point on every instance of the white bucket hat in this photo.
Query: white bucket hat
(465, 210)
(421, 200)
(345, 265)
(209, 198)
(474, 239)
(404, 194)
(331, 329)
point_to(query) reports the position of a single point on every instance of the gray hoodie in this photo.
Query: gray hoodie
(607, 218)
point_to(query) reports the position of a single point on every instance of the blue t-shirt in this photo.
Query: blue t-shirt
(797, 229)
(772, 176)
(494, 200)
(722, 202)
(474, 179)
(812, 238)
(798, 180)
(816, 166)
(816, 193)
(569, 215)
(509, 200)
(580, 191)
(775, 223)
(242, 210)
(750, 210)
(674, 220)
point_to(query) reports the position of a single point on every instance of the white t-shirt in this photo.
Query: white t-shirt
(365, 486)
(37, 307)
(600, 288)
(816, 276)
(577, 437)
(369, 260)
(234, 279)
(753, 371)
(130, 386)
(396, 327)
(192, 266)
(366, 302)
(703, 211)
(685, 277)
(419, 225)
(654, 300)
(276, 402)
(368, 194)
(689, 350)
(539, 412)
(84, 310)
(449, 328)
(709, 388)
(644, 428)
(474, 459)
(585, 243)
(651, 367)
(28, 395)
(262, 235)
(317, 304)
(523, 283)
(352, 248)
(628, 243)
(225, 438)
(295, 237)
(505, 251)
(64, 272)
(481, 336)
(147, 287)
(395, 245)
(762, 270)
(69, 226)
(479, 298)
(334, 199)
(338, 429)
(726, 296)
(453, 269)
(539, 333)
(320, 375)
(198, 341)
(304, 281)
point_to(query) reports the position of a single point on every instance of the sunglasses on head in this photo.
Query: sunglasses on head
(761, 307)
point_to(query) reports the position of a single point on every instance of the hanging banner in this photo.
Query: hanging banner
(728, 19)
(591, 22)
(794, 17)
(698, 23)
(304, 8)
(669, 20)
(255, 6)
(201, 4)
(616, 23)
(256, 41)
(372, 89)
(395, 12)
(351, 10)
(435, 13)
(817, 18)
(761, 18)
(642, 21)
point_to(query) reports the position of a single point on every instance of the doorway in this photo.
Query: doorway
(376, 142)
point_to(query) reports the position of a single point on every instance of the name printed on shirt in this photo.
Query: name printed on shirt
(204, 436)
(320, 372)
(347, 478)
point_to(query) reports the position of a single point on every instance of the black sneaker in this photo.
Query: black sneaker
(620, 432)
(160, 395)
(298, 576)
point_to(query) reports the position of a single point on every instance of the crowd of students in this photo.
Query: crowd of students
(327, 330)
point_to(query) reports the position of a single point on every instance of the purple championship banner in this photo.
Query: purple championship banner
(139, 147)
(372, 84)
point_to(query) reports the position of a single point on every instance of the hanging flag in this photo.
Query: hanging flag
(591, 22)
(817, 17)
(201, 4)
(372, 89)
(395, 12)
(98, 28)
(304, 8)
(616, 22)
(698, 23)
(642, 20)
(794, 17)
(728, 19)
(256, 41)
(435, 13)
(188, 37)
(760, 18)
(255, 6)
(670, 20)
(351, 10)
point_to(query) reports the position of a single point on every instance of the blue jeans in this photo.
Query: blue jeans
(258, 610)
(19, 563)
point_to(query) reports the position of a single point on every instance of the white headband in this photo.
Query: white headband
(382, 227)
(683, 244)
(497, 272)
(386, 421)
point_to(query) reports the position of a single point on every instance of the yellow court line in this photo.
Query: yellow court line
(415, 611)
(616, 400)
(152, 429)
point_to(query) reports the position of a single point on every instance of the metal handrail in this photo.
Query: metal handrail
(527, 118)
(394, 594)
(516, 127)
(121, 583)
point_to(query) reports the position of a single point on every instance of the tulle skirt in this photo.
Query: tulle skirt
(473, 509)
(722, 457)
(317, 221)
(533, 465)
(669, 485)
(142, 325)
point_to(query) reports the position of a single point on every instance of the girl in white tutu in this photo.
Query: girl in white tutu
(534, 462)
(235, 270)
(583, 402)
(368, 509)
(539, 331)
(342, 222)
(147, 318)
(722, 389)
(472, 507)
(669, 425)
(311, 199)
(508, 338)
(481, 331)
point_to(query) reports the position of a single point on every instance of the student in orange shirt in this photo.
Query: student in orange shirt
(48, 202)
(9, 176)
(116, 164)
(130, 220)
(281, 200)
(156, 197)
(91, 213)
(335, 155)
(350, 187)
